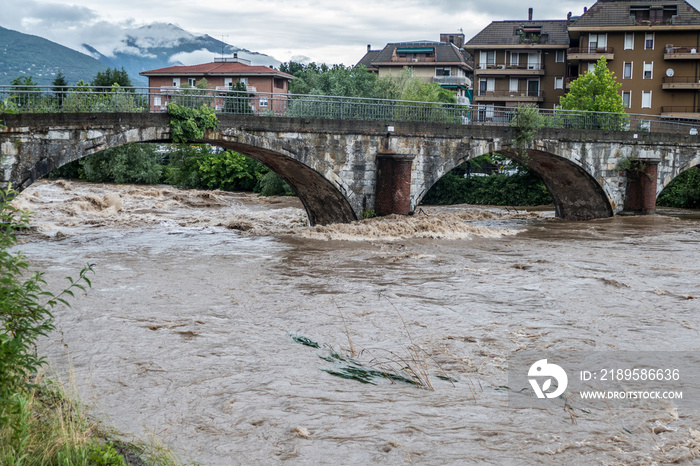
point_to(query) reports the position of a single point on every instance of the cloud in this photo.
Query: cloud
(41, 16)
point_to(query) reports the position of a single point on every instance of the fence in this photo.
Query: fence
(23, 99)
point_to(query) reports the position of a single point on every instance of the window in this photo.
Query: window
(646, 99)
(558, 83)
(487, 85)
(626, 70)
(228, 82)
(514, 59)
(263, 101)
(443, 71)
(243, 81)
(649, 41)
(627, 99)
(591, 67)
(176, 82)
(597, 42)
(648, 70)
(157, 101)
(533, 87)
(513, 86)
(192, 81)
(491, 57)
(533, 61)
(629, 41)
(559, 56)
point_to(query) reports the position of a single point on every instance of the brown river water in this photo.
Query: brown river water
(187, 331)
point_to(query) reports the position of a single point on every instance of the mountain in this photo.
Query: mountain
(159, 45)
(27, 55)
(138, 49)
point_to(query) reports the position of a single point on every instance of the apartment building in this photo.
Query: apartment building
(652, 46)
(520, 62)
(441, 62)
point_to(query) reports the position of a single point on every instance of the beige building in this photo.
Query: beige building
(441, 62)
(518, 62)
(653, 47)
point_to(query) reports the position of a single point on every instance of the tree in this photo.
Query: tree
(110, 77)
(59, 88)
(28, 88)
(596, 91)
(238, 100)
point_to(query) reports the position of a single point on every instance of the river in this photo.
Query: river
(187, 332)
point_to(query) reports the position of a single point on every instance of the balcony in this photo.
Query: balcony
(681, 53)
(461, 81)
(590, 53)
(509, 96)
(503, 69)
(681, 112)
(683, 83)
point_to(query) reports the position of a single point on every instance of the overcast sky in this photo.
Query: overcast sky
(324, 31)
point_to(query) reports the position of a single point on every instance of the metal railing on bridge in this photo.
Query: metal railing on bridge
(85, 99)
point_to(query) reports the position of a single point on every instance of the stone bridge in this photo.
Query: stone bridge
(340, 168)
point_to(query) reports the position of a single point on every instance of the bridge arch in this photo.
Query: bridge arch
(664, 181)
(322, 198)
(37, 146)
(575, 193)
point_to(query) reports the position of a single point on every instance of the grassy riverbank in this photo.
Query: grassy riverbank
(47, 427)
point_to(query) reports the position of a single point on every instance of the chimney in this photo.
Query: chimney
(568, 18)
(369, 47)
(585, 9)
(529, 14)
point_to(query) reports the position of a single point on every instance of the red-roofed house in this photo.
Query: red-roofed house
(221, 75)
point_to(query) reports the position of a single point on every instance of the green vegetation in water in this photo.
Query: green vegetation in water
(368, 213)
(461, 186)
(410, 368)
(39, 424)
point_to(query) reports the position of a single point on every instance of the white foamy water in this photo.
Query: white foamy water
(186, 331)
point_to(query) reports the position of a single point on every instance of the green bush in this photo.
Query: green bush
(522, 188)
(683, 191)
(25, 310)
(271, 184)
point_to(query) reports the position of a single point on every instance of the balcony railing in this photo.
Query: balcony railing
(506, 67)
(589, 52)
(526, 93)
(683, 52)
(679, 109)
(454, 80)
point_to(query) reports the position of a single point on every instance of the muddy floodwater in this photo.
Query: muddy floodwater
(188, 330)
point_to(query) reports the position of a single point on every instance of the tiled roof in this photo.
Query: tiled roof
(444, 53)
(217, 68)
(368, 58)
(617, 13)
(504, 33)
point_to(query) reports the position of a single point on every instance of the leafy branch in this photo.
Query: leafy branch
(190, 124)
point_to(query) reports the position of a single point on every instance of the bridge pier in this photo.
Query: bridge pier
(640, 194)
(393, 191)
